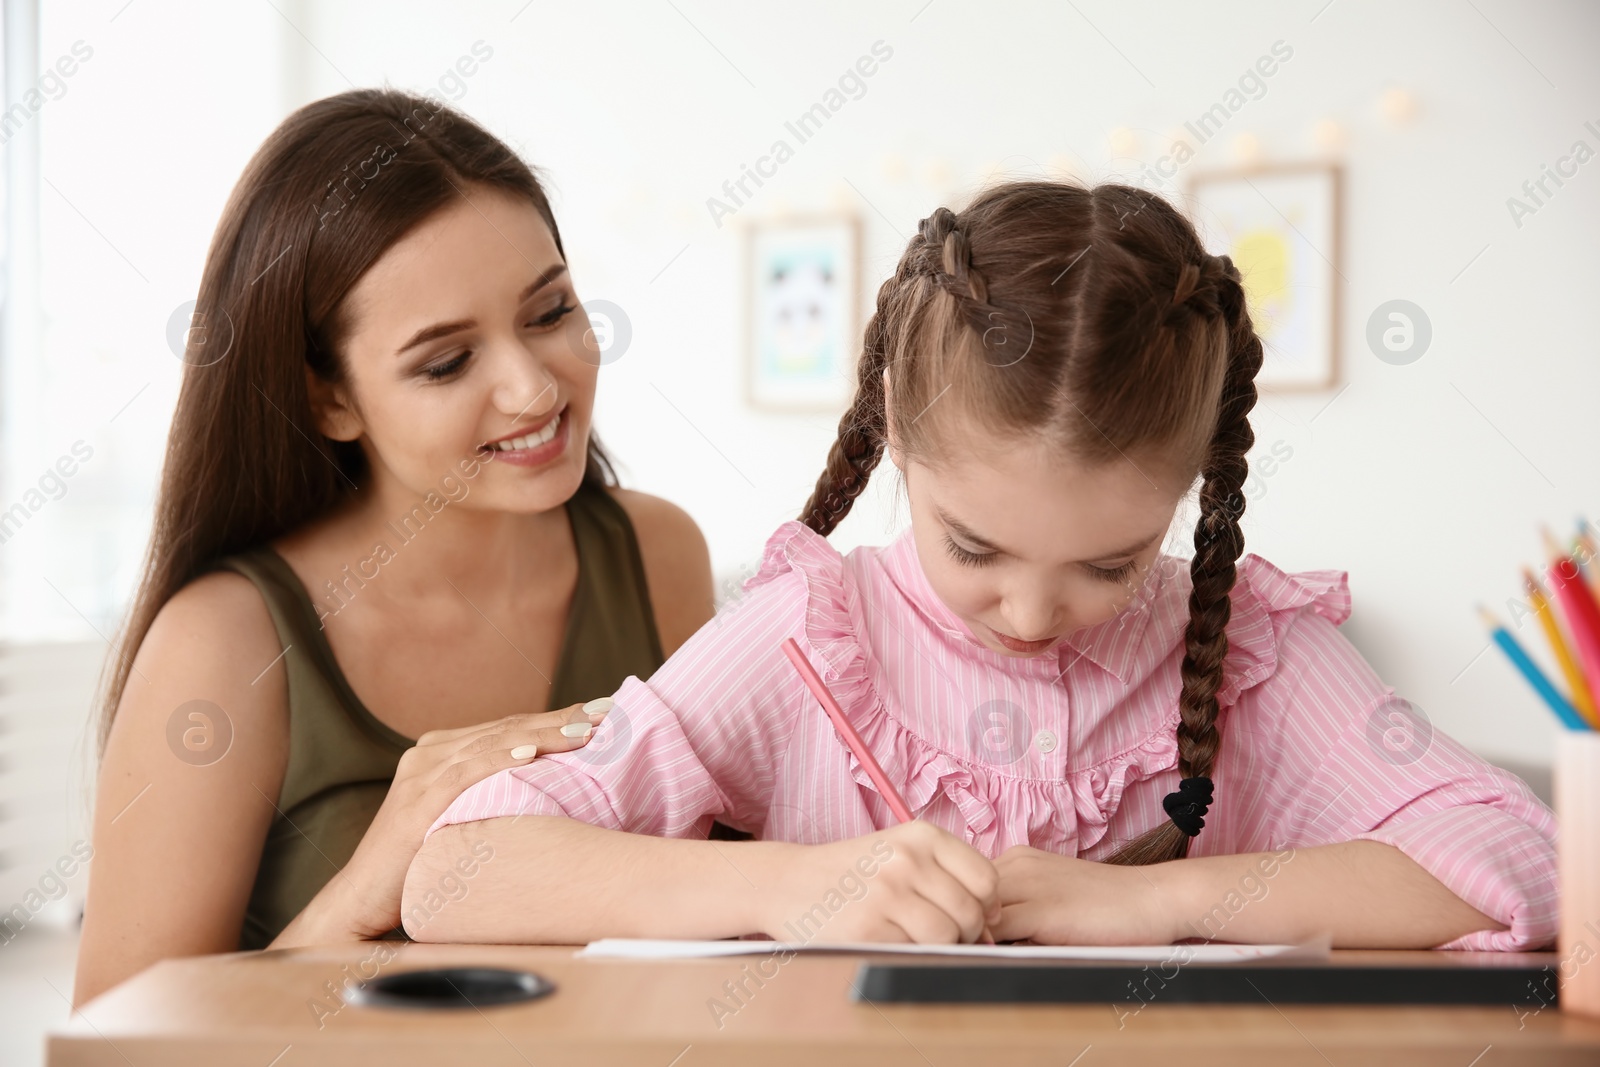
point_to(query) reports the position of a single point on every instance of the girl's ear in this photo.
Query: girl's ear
(335, 416)
(891, 445)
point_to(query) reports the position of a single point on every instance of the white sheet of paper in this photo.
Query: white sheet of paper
(624, 948)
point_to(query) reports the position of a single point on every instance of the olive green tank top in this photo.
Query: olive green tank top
(342, 758)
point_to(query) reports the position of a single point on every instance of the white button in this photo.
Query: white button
(1045, 741)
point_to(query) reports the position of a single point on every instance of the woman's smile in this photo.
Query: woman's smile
(532, 447)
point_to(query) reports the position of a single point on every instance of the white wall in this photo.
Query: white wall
(139, 153)
(1425, 482)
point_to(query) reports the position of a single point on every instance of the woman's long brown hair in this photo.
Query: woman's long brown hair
(1095, 317)
(339, 182)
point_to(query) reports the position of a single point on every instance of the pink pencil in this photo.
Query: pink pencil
(847, 733)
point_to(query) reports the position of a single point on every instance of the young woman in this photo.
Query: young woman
(387, 544)
(1051, 370)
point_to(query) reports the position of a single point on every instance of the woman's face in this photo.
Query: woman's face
(470, 365)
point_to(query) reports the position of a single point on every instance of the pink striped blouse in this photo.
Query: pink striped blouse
(1070, 751)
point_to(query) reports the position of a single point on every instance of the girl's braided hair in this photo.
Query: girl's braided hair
(1095, 316)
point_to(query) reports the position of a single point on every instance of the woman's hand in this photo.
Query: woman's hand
(1059, 900)
(363, 900)
(914, 882)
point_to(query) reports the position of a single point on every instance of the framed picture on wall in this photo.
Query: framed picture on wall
(803, 277)
(1280, 225)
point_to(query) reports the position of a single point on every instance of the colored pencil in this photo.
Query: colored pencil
(1581, 614)
(1582, 698)
(1591, 552)
(1514, 652)
(847, 734)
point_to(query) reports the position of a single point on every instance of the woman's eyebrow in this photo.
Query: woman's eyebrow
(445, 329)
(984, 543)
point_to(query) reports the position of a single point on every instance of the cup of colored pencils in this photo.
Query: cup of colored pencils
(1566, 605)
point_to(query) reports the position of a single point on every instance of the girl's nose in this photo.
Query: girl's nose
(1030, 618)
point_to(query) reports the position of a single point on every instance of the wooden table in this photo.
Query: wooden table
(260, 1009)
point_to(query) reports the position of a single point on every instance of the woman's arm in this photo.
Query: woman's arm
(362, 901)
(179, 824)
(1363, 894)
(178, 829)
(542, 879)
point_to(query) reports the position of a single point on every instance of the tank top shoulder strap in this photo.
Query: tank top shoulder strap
(611, 628)
(334, 739)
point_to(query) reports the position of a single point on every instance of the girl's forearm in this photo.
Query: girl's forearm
(542, 879)
(1366, 894)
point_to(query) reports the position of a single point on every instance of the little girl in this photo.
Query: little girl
(1051, 369)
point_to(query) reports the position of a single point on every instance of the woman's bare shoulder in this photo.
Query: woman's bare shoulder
(213, 642)
(677, 565)
(218, 608)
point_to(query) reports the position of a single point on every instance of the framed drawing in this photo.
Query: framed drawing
(802, 278)
(1281, 227)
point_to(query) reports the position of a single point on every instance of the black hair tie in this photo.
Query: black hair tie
(1187, 807)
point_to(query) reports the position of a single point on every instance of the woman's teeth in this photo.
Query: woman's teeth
(532, 440)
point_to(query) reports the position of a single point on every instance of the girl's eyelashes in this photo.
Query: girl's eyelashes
(966, 557)
(1112, 574)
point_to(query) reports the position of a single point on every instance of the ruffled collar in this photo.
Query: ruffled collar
(1059, 796)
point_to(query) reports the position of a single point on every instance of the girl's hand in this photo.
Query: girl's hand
(914, 882)
(363, 900)
(1059, 900)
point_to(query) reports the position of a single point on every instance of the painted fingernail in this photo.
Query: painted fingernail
(599, 706)
(577, 729)
(525, 752)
